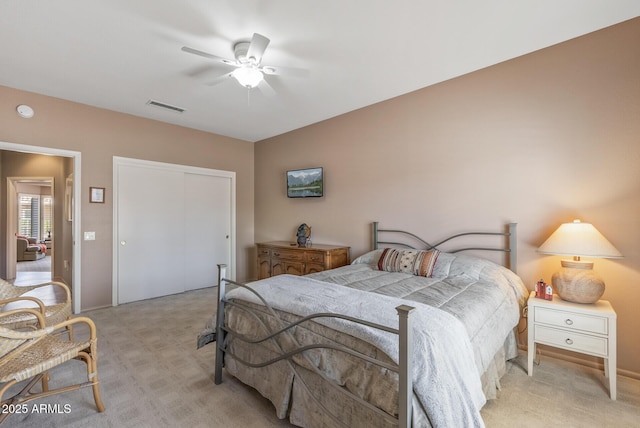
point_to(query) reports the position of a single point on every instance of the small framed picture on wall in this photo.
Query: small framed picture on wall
(96, 195)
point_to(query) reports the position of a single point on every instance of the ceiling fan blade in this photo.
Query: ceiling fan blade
(200, 70)
(257, 47)
(266, 89)
(208, 55)
(285, 71)
(220, 79)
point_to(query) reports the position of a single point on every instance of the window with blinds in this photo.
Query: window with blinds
(29, 215)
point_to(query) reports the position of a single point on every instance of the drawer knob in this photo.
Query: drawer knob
(568, 321)
(569, 342)
(276, 254)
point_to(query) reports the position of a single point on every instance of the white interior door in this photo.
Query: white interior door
(207, 227)
(150, 232)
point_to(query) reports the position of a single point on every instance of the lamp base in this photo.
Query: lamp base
(577, 282)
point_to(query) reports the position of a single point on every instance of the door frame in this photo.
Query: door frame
(76, 259)
(122, 161)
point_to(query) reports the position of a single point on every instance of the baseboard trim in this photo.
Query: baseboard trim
(95, 308)
(570, 358)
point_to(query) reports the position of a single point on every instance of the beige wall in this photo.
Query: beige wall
(540, 140)
(101, 134)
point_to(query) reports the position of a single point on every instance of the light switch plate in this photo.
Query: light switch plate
(89, 236)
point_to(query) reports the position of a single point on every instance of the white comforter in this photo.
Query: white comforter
(484, 296)
(446, 381)
(464, 313)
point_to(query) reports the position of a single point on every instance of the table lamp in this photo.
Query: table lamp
(576, 281)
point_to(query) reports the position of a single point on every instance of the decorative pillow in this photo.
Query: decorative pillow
(415, 262)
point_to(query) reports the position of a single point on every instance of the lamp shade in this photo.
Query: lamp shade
(579, 239)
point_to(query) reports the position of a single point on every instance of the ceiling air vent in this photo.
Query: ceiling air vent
(165, 106)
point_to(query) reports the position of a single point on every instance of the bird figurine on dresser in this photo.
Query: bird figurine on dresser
(304, 232)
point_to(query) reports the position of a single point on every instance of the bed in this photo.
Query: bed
(401, 337)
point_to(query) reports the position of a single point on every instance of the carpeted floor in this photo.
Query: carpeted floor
(42, 265)
(151, 375)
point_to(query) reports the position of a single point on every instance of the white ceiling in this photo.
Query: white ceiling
(118, 54)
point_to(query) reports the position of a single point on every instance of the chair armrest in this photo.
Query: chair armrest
(19, 298)
(30, 334)
(64, 286)
(13, 334)
(84, 320)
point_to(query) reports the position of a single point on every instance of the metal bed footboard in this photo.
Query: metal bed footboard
(404, 368)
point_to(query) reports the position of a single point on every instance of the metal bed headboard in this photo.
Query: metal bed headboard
(510, 247)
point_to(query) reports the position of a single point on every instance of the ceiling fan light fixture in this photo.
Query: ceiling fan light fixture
(248, 77)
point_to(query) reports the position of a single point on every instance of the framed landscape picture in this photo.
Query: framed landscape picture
(305, 183)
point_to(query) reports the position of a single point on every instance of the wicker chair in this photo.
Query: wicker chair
(13, 297)
(30, 354)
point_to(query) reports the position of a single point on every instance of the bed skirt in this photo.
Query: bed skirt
(309, 400)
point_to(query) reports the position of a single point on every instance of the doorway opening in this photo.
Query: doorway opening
(66, 260)
(36, 224)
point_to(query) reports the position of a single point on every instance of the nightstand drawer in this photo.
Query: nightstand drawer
(573, 321)
(571, 340)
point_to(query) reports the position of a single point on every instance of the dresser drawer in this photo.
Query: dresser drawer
(314, 257)
(573, 321)
(264, 252)
(571, 340)
(288, 254)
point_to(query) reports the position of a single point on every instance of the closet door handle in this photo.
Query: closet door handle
(123, 242)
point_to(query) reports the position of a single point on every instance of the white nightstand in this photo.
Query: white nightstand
(585, 328)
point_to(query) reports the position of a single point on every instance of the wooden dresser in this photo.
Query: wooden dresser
(279, 257)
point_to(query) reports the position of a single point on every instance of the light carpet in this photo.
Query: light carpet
(42, 265)
(151, 375)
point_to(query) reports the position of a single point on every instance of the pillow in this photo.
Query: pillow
(370, 258)
(415, 262)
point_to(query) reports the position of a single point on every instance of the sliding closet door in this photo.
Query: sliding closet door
(173, 224)
(207, 228)
(151, 233)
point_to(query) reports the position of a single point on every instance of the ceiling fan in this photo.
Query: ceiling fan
(249, 71)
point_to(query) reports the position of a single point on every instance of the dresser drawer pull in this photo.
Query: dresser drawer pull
(276, 254)
(569, 342)
(568, 321)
